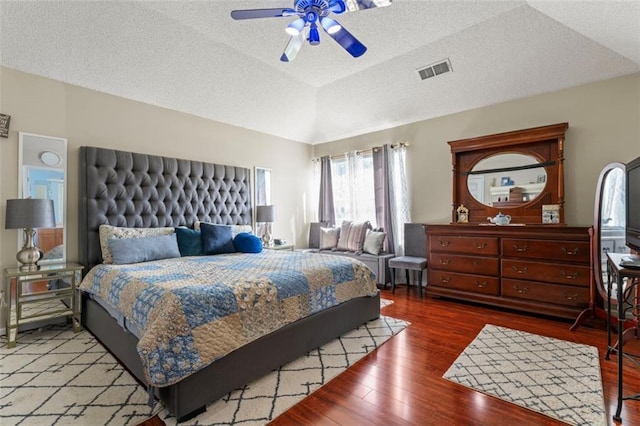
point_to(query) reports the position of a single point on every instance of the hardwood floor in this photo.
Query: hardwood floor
(401, 382)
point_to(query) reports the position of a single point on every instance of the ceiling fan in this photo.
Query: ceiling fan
(309, 14)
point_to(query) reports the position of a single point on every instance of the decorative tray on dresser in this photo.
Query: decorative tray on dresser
(543, 269)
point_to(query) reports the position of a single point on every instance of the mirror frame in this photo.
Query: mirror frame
(546, 144)
(61, 143)
(596, 246)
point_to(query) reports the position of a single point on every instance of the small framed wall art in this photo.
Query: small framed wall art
(4, 125)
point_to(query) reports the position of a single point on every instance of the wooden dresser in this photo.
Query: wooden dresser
(543, 269)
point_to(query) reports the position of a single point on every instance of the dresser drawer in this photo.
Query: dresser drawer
(468, 264)
(570, 251)
(549, 293)
(487, 246)
(467, 282)
(568, 273)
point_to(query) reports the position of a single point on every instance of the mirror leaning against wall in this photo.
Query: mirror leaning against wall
(42, 166)
(609, 221)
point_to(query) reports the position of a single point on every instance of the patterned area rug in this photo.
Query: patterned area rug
(553, 377)
(54, 376)
(385, 302)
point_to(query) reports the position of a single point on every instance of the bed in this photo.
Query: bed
(131, 190)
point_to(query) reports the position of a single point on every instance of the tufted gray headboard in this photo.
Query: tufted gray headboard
(140, 190)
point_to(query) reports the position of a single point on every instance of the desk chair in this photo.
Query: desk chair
(415, 249)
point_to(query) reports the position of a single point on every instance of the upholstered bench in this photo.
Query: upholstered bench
(379, 264)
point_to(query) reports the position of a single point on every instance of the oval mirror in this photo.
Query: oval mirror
(506, 180)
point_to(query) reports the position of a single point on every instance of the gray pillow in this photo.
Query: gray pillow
(145, 249)
(373, 242)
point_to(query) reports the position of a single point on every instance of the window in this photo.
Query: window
(353, 189)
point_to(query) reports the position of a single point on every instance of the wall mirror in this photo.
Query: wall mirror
(42, 167)
(262, 193)
(608, 221)
(263, 186)
(505, 180)
(514, 173)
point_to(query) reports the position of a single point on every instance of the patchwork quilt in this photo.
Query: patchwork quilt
(193, 310)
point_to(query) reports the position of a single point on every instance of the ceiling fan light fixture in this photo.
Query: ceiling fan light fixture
(314, 35)
(330, 25)
(295, 27)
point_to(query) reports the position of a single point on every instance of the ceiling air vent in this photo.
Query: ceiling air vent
(434, 69)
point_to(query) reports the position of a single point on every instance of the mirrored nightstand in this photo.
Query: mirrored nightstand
(44, 294)
(279, 247)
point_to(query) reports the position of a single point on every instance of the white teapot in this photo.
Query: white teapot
(500, 219)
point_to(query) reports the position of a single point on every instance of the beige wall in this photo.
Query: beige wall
(86, 117)
(604, 126)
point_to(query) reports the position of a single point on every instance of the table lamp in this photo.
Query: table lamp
(28, 214)
(266, 215)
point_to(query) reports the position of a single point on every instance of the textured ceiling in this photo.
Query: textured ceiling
(191, 56)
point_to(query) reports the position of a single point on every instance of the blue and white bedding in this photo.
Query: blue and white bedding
(191, 311)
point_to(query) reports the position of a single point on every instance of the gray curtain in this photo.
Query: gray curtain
(381, 183)
(326, 211)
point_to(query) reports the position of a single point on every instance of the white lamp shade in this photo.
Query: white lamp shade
(266, 213)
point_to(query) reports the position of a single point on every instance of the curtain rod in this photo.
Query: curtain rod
(394, 145)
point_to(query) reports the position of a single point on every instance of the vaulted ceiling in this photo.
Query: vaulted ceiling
(192, 57)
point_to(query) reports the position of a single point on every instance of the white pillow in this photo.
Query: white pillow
(108, 232)
(329, 238)
(373, 242)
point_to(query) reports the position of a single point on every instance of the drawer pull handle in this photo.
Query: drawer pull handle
(570, 252)
(480, 246)
(522, 290)
(520, 271)
(445, 261)
(566, 296)
(482, 284)
(523, 248)
(445, 279)
(444, 243)
(476, 263)
(569, 276)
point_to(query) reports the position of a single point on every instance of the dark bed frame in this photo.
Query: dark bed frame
(140, 190)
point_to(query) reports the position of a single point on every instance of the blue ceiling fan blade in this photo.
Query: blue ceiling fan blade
(348, 41)
(337, 6)
(262, 13)
(355, 5)
(293, 47)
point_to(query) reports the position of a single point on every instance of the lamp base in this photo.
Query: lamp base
(267, 238)
(29, 255)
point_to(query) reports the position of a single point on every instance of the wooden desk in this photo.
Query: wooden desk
(627, 302)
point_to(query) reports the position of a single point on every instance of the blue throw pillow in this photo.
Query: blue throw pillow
(144, 249)
(189, 242)
(216, 239)
(247, 243)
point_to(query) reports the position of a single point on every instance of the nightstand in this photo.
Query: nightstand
(28, 302)
(279, 247)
